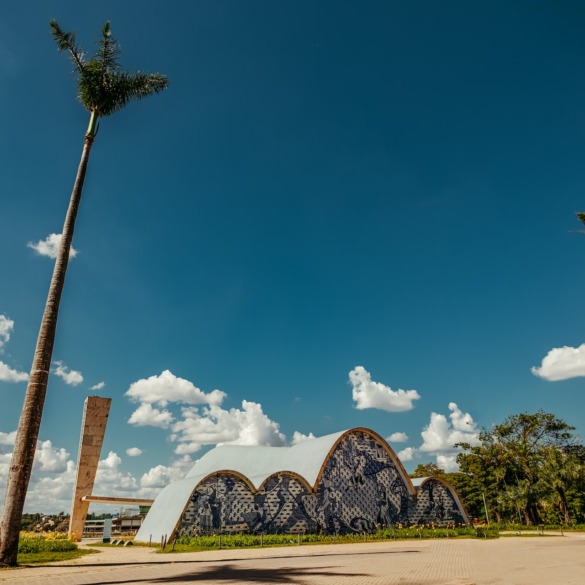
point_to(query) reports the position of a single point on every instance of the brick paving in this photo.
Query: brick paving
(507, 561)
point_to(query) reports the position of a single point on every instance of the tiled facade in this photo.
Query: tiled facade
(360, 488)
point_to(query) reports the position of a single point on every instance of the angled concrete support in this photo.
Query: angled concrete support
(93, 427)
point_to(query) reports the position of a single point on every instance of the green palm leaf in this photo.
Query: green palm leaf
(102, 87)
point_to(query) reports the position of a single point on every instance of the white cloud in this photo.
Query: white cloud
(7, 438)
(160, 476)
(213, 425)
(50, 246)
(441, 435)
(53, 477)
(407, 454)
(7, 374)
(562, 363)
(200, 420)
(148, 416)
(369, 394)
(169, 388)
(301, 438)
(111, 480)
(133, 452)
(6, 327)
(397, 438)
(70, 377)
(51, 493)
(98, 386)
(47, 458)
(448, 462)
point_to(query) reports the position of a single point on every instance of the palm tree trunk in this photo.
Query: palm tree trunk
(32, 410)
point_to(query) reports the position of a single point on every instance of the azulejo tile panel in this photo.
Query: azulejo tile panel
(360, 488)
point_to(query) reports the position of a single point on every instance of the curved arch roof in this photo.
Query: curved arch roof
(418, 483)
(259, 463)
(253, 463)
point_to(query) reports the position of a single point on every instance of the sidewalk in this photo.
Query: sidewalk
(509, 561)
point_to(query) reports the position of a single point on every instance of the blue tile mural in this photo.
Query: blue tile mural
(360, 488)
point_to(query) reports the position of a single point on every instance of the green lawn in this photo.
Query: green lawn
(42, 557)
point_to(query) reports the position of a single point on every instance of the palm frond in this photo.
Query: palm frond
(128, 87)
(108, 51)
(66, 42)
(141, 85)
(106, 94)
(102, 88)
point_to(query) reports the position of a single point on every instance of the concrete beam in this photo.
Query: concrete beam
(114, 500)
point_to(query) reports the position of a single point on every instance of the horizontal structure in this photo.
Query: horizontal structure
(351, 481)
(114, 500)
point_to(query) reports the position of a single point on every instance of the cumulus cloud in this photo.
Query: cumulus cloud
(111, 480)
(156, 478)
(53, 477)
(562, 363)
(48, 458)
(50, 246)
(448, 462)
(301, 438)
(212, 425)
(70, 377)
(169, 388)
(397, 438)
(196, 418)
(8, 374)
(147, 415)
(369, 394)
(133, 452)
(6, 327)
(407, 454)
(98, 386)
(441, 435)
(7, 438)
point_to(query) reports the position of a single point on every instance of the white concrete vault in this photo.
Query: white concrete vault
(347, 481)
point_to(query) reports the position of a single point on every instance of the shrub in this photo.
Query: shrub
(37, 545)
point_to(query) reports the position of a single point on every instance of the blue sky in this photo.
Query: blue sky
(324, 186)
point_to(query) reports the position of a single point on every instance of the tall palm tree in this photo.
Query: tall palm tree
(103, 88)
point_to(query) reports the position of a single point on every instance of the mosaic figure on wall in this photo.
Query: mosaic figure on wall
(360, 488)
(226, 503)
(436, 503)
(341, 483)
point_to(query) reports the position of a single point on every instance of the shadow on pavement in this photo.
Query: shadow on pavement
(232, 560)
(238, 574)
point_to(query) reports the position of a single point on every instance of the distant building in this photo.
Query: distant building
(351, 481)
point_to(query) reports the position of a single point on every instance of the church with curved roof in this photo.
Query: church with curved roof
(351, 481)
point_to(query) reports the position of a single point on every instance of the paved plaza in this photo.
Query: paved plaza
(554, 560)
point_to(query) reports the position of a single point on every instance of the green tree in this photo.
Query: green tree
(511, 462)
(560, 475)
(427, 470)
(103, 89)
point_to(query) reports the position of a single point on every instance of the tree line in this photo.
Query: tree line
(530, 469)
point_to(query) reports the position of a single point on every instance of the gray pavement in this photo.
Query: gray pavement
(533, 560)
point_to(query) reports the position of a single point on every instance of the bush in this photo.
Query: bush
(37, 545)
(399, 532)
